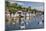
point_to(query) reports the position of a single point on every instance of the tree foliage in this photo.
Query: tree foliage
(14, 7)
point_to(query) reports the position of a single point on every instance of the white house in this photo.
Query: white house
(7, 16)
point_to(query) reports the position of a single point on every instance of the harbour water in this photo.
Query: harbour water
(35, 22)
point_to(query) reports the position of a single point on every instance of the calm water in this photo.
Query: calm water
(36, 22)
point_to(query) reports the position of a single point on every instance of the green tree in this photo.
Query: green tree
(34, 11)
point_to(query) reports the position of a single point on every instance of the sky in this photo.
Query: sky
(33, 5)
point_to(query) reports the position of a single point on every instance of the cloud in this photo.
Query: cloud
(19, 3)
